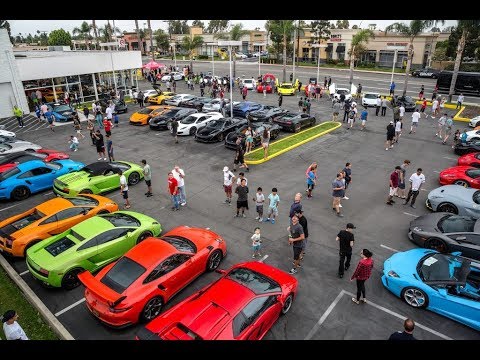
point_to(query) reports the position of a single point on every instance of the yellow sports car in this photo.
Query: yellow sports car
(142, 116)
(287, 88)
(160, 98)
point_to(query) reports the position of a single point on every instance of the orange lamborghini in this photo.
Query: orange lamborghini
(142, 116)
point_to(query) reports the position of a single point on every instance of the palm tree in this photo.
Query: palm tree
(151, 40)
(466, 26)
(190, 44)
(83, 32)
(361, 37)
(284, 27)
(235, 34)
(140, 43)
(95, 33)
(412, 30)
(298, 32)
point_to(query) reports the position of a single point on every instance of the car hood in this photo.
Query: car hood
(428, 222)
(208, 131)
(405, 263)
(453, 191)
(75, 177)
(232, 137)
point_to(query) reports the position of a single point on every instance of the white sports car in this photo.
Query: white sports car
(7, 134)
(214, 105)
(473, 135)
(178, 99)
(474, 122)
(250, 84)
(176, 75)
(193, 122)
(146, 94)
(370, 99)
(8, 148)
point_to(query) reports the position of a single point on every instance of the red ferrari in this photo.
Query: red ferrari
(268, 82)
(466, 176)
(472, 159)
(242, 305)
(43, 154)
(137, 286)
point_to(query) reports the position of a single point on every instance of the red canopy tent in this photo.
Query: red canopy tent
(152, 65)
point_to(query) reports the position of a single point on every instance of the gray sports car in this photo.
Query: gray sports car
(446, 232)
(11, 147)
(455, 199)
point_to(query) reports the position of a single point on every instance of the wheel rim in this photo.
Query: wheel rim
(414, 297)
(153, 308)
(70, 279)
(288, 304)
(461, 183)
(297, 127)
(21, 193)
(448, 208)
(143, 236)
(436, 244)
(134, 178)
(214, 260)
(220, 137)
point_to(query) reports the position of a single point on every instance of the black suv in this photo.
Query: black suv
(426, 72)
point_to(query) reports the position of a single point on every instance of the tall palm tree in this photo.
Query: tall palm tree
(140, 43)
(285, 28)
(83, 32)
(298, 32)
(235, 34)
(466, 26)
(361, 37)
(151, 40)
(95, 33)
(190, 44)
(412, 31)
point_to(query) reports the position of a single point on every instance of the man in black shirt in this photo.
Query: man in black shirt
(346, 240)
(302, 220)
(407, 334)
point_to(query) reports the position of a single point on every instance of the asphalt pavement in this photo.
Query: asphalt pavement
(322, 309)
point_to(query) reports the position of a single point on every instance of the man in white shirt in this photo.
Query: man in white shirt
(124, 188)
(109, 113)
(241, 176)
(12, 330)
(402, 111)
(441, 124)
(416, 181)
(415, 118)
(179, 175)
(379, 105)
(434, 108)
(228, 179)
(460, 100)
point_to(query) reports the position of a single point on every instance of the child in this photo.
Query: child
(311, 181)
(38, 113)
(73, 143)
(78, 126)
(456, 138)
(259, 200)
(273, 207)
(256, 243)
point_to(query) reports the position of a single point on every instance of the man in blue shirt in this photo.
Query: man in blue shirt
(338, 192)
(363, 117)
(392, 88)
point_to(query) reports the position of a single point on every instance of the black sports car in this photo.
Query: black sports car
(120, 106)
(407, 102)
(468, 147)
(446, 232)
(268, 113)
(295, 122)
(160, 122)
(197, 103)
(231, 139)
(244, 108)
(426, 72)
(217, 130)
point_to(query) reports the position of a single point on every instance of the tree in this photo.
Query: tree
(435, 29)
(107, 31)
(162, 39)
(190, 44)
(217, 26)
(41, 38)
(235, 34)
(360, 38)
(320, 31)
(472, 42)
(150, 33)
(411, 31)
(355, 27)
(466, 27)
(59, 38)
(283, 29)
(198, 23)
(95, 32)
(4, 24)
(83, 32)
(178, 27)
(342, 24)
(140, 43)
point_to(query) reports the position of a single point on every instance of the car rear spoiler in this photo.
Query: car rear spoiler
(100, 290)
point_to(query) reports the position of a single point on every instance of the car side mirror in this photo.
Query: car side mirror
(442, 292)
(85, 211)
(221, 271)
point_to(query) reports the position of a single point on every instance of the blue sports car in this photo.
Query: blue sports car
(447, 284)
(61, 112)
(33, 176)
(244, 108)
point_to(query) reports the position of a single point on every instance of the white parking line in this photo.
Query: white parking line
(424, 189)
(24, 272)
(410, 214)
(449, 158)
(263, 258)
(9, 207)
(436, 171)
(51, 192)
(389, 248)
(324, 316)
(70, 307)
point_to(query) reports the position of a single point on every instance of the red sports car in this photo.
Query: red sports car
(43, 154)
(472, 159)
(268, 82)
(466, 176)
(242, 305)
(137, 286)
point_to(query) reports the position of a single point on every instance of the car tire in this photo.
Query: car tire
(287, 304)
(70, 279)
(297, 128)
(414, 297)
(143, 236)
(274, 135)
(20, 193)
(447, 207)
(86, 191)
(221, 137)
(214, 260)
(463, 183)
(436, 244)
(192, 130)
(133, 178)
(152, 309)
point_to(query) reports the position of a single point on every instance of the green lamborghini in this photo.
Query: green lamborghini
(89, 245)
(97, 178)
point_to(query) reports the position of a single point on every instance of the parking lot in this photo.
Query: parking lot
(322, 308)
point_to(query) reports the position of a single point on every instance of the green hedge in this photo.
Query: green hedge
(465, 67)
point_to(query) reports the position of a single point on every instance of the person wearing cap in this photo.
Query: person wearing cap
(390, 135)
(179, 175)
(362, 273)
(346, 240)
(228, 179)
(12, 330)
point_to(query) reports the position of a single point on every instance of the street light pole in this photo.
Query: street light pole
(230, 44)
(393, 67)
(293, 62)
(174, 55)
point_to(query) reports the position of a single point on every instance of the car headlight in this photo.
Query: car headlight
(392, 273)
(416, 228)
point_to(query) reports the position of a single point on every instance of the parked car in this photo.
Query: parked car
(295, 122)
(242, 305)
(473, 135)
(146, 94)
(370, 99)
(89, 245)
(214, 105)
(250, 84)
(455, 199)
(7, 134)
(240, 55)
(193, 122)
(257, 127)
(426, 73)
(465, 176)
(217, 130)
(19, 232)
(472, 160)
(162, 120)
(142, 116)
(176, 75)
(160, 98)
(178, 99)
(120, 106)
(141, 282)
(197, 103)
(61, 112)
(13, 147)
(407, 101)
(244, 108)
(446, 284)
(11, 160)
(286, 89)
(474, 122)
(268, 113)
(341, 91)
(467, 148)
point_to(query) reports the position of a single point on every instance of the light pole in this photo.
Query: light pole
(294, 53)
(259, 56)
(319, 46)
(212, 44)
(395, 53)
(230, 44)
(174, 45)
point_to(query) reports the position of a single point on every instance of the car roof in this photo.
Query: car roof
(150, 252)
(98, 168)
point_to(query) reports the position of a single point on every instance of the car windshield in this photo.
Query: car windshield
(61, 108)
(4, 147)
(453, 224)
(256, 282)
(9, 173)
(27, 220)
(60, 246)
(340, 92)
(444, 268)
(473, 173)
(285, 86)
(189, 120)
(248, 81)
(370, 96)
(119, 220)
(145, 111)
(82, 201)
(40, 155)
(180, 243)
(215, 124)
(122, 274)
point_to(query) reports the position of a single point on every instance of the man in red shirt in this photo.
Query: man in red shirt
(107, 124)
(244, 93)
(173, 191)
(394, 181)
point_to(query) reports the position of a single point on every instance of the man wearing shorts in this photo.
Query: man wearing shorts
(363, 117)
(147, 174)
(228, 179)
(296, 237)
(124, 188)
(242, 201)
(415, 118)
(394, 181)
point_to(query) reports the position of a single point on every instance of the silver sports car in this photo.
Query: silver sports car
(12, 147)
(456, 200)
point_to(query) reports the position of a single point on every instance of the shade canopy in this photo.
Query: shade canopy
(152, 65)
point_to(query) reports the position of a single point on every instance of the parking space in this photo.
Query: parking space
(380, 228)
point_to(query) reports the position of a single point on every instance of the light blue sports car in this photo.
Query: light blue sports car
(455, 199)
(447, 284)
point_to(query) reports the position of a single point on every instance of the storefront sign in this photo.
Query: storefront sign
(397, 44)
(336, 37)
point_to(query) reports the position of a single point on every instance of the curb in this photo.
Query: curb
(256, 162)
(35, 301)
(458, 118)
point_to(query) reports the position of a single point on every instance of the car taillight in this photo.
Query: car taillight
(65, 190)
(220, 240)
(44, 272)
(116, 310)
(112, 305)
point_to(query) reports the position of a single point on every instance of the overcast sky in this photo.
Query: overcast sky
(31, 26)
